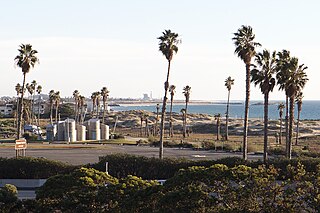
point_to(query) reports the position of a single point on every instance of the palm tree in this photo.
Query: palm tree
(33, 86)
(183, 113)
(57, 103)
(105, 95)
(283, 72)
(245, 50)
(76, 95)
(39, 90)
(157, 119)
(299, 106)
(147, 127)
(18, 90)
(51, 101)
(228, 83)
(172, 92)
(295, 83)
(186, 92)
(280, 108)
(168, 46)
(217, 117)
(30, 90)
(94, 101)
(98, 97)
(263, 76)
(25, 60)
(81, 104)
(142, 118)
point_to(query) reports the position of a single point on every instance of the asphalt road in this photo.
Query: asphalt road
(83, 154)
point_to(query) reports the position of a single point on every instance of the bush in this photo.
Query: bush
(30, 137)
(31, 168)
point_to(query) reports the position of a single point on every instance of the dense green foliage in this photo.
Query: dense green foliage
(33, 168)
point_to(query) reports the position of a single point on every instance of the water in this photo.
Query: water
(310, 109)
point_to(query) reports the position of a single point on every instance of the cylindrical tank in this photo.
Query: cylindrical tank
(81, 133)
(60, 131)
(51, 131)
(70, 133)
(104, 132)
(94, 129)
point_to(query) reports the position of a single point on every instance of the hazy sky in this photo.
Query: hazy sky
(86, 45)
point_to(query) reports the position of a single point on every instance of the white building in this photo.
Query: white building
(6, 109)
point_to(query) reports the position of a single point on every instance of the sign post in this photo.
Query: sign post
(20, 147)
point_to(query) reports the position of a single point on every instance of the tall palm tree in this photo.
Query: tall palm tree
(283, 72)
(245, 50)
(168, 46)
(18, 90)
(186, 92)
(295, 83)
(299, 98)
(51, 102)
(228, 83)
(172, 92)
(105, 94)
(76, 95)
(39, 90)
(81, 104)
(217, 117)
(29, 106)
(57, 103)
(98, 97)
(157, 119)
(142, 118)
(25, 60)
(183, 113)
(94, 102)
(33, 86)
(280, 108)
(263, 76)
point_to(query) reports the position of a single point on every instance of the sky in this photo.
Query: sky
(86, 45)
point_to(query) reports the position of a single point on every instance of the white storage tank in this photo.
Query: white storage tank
(60, 131)
(94, 129)
(70, 133)
(51, 132)
(104, 132)
(81, 133)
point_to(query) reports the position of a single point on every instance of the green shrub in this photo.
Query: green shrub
(32, 168)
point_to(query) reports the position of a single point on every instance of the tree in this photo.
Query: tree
(228, 83)
(51, 102)
(25, 60)
(29, 106)
(19, 91)
(280, 108)
(186, 92)
(82, 101)
(183, 113)
(105, 95)
(142, 118)
(39, 90)
(245, 50)
(283, 71)
(217, 117)
(263, 76)
(94, 98)
(295, 83)
(168, 46)
(76, 95)
(172, 92)
(157, 119)
(57, 103)
(299, 98)
(33, 86)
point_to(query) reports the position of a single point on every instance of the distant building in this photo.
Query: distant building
(6, 109)
(146, 97)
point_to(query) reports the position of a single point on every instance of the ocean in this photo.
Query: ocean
(310, 109)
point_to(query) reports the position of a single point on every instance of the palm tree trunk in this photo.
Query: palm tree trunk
(141, 122)
(291, 119)
(246, 113)
(32, 108)
(265, 132)
(185, 121)
(17, 111)
(297, 131)
(20, 112)
(57, 109)
(170, 119)
(227, 117)
(287, 124)
(104, 112)
(75, 110)
(51, 112)
(218, 132)
(39, 105)
(280, 135)
(166, 87)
